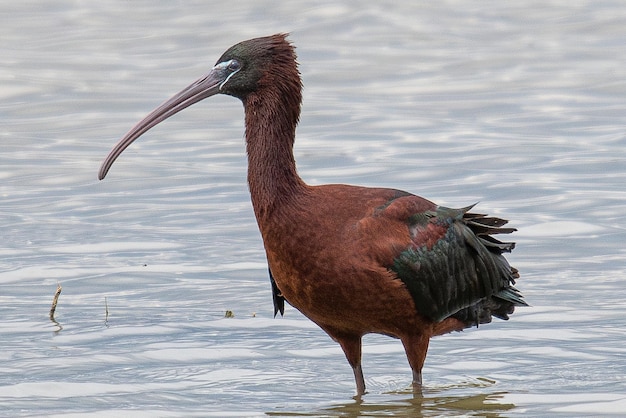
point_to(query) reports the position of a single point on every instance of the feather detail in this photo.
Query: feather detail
(463, 273)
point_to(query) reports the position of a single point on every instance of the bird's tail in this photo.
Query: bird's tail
(503, 303)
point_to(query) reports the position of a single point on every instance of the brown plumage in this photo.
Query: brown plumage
(354, 260)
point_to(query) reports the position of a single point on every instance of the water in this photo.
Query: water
(519, 106)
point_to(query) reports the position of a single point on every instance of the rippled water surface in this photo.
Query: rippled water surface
(521, 107)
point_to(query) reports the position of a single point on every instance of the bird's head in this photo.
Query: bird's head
(245, 69)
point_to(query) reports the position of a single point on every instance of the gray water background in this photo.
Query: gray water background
(519, 106)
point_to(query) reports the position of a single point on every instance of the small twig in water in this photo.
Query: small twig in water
(55, 300)
(106, 310)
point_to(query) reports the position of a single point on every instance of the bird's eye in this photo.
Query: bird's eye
(234, 65)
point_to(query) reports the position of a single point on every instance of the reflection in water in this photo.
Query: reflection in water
(58, 328)
(417, 405)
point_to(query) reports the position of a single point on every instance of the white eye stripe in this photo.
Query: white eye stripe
(230, 65)
(228, 78)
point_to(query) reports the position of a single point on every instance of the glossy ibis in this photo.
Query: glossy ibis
(355, 260)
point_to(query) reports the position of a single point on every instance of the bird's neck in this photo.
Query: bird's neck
(270, 134)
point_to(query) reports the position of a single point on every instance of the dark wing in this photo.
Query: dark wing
(455, 266)
(277, 296)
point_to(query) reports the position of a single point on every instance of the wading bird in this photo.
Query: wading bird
(354, 260)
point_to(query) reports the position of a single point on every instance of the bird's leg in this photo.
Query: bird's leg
(351, 345)
(417, 384)
(416, 347)
(358, 378)
(417, 378)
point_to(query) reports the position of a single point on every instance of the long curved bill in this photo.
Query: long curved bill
(202, 88)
